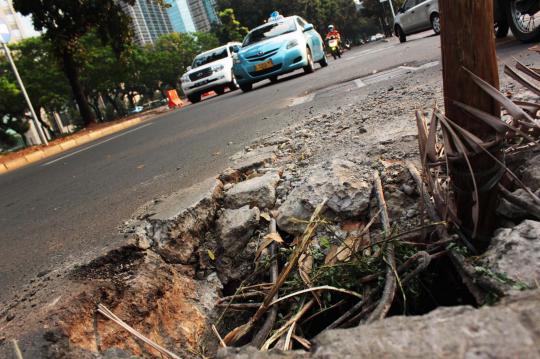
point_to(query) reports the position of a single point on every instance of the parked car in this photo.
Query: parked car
(278, 47)
(211, 71)
(416, 16)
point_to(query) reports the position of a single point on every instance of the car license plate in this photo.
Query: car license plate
(264, 66)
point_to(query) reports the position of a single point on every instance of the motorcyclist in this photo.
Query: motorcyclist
(333, 33)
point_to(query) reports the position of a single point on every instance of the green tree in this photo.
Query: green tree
(44, 81)
(342, 13)
(66, 21)
(229, 29)
(12, 110)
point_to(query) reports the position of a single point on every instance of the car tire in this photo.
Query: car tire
(519, 33)
(220, 91)
(324, 61)
(400, 34)
(194, 98)
(273, 79)
(436, 23)
(246, 87)
(233, 85)
(310, 67)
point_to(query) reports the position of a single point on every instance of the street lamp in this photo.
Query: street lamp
(5, 36)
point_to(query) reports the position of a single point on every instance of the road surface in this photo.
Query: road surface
(67, 208)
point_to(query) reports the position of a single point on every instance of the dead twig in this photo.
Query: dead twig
(239, 332)
(221, 342)
(110, 315)
(390, 285)
(262, 334)
(290, 323)
(16, 349)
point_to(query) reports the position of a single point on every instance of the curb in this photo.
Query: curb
(62, 147)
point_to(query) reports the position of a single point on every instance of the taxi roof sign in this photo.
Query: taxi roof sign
(275, 16)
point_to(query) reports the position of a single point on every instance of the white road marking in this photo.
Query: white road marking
(95, 145)
(390, 74)
(367, 52)
(359, 83)
(304, 99)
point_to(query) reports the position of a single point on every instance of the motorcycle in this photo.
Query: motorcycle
(333, 47)
(521, 16)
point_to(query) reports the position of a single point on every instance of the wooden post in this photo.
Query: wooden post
(467, 40)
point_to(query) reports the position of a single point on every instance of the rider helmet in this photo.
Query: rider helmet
(330, 27)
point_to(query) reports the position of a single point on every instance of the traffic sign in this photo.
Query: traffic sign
(5, 34)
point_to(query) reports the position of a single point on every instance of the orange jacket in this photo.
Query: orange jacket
(335, 34)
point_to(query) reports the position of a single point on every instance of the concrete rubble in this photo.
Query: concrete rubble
(345, 184)
(235, 228)
(190, 248)
(514, 256)
(258, 191)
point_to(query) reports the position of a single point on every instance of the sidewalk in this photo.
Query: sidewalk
(30, 155)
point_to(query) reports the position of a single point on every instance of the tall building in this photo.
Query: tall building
(180, 16)
(19, 26)
(203, 13)
(150, 20)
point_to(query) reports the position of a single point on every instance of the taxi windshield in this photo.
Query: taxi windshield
(269, 31)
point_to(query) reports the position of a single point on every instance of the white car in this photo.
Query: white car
(211, 71)
(416, 16)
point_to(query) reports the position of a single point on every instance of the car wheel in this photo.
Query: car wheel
(233, 85)
(220, 91)
(401, 34)
(194, 98)
(246, 87)
(324, 61)
(273, 79)
(436, 23)
(310, 67)
(523, 25)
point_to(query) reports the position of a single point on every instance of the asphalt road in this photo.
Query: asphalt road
(66, 209)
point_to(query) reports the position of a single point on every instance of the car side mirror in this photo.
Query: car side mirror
(189, 68)
(308, 27)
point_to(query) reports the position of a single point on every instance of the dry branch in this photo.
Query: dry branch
(303, 244)
(390, 285)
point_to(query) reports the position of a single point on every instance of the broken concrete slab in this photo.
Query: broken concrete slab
(531, 173)
(510, 246)
(258, 191)
(244, 162)
(174, 229)
(235, 228)
(511, 211)
(346, 185)
(509, 330)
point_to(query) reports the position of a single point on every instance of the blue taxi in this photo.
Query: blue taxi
(282, 45)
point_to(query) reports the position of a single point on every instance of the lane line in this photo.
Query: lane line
(95, 145)
(359, 83)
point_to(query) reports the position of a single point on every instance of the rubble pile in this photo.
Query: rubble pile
(311, 232)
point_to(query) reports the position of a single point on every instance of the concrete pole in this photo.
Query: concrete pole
(42, 136)
(392, 8)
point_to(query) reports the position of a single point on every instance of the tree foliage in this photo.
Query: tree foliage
(65, 22)
(229, 29)
(113, 85)
(341, 13)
